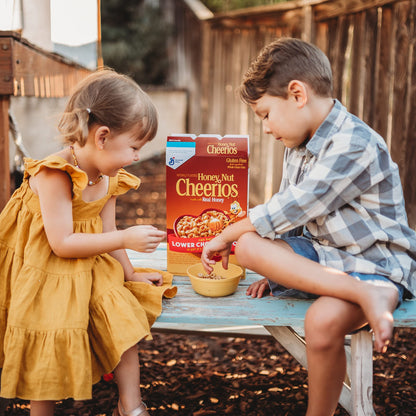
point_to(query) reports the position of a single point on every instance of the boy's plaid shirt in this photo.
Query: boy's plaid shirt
(345, 190)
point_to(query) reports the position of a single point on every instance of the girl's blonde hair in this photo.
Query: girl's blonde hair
(109, 99)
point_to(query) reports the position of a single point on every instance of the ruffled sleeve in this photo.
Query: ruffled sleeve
(78, 177)
(125, 182)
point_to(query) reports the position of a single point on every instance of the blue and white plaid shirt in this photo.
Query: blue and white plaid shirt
(345, 190)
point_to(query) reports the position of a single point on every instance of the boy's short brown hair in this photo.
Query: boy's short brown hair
(282, 61)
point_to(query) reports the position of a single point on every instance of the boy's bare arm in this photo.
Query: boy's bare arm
(221, 245)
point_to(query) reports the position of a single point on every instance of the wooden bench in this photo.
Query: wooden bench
(279, 317)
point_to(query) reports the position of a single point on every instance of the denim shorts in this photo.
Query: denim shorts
(303, 246)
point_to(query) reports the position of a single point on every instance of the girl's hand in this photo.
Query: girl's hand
(151, 278)
(258, 289)
(143, 238)
(215, 247)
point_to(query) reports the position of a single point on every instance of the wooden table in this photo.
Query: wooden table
(282, 318)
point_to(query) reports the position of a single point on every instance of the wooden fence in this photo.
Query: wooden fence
(28, 71)
(371, 47)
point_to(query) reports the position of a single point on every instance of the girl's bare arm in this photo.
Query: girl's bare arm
(108, 215)
(54, 189)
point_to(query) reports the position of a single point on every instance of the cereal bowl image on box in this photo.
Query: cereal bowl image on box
(207, 224)
(221, 282)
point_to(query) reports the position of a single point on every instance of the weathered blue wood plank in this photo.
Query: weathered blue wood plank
(238, 309)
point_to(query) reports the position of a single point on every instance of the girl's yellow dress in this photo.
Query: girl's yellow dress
(65, 322)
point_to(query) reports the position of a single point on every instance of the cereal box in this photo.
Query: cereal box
(206, 190)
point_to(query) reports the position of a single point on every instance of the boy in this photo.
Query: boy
(342, 192)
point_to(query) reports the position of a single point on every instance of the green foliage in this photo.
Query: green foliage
(134, 39)
(135, 35)
(226, 5)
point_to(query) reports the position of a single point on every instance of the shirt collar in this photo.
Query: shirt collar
(329, 126)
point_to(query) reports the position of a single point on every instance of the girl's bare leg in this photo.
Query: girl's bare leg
(42, 408)
(327, 322)
(277, 261)
(127, 375)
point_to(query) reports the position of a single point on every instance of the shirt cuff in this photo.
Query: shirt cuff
(261, 221)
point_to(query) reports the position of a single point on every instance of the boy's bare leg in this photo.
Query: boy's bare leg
(277, 261)
(42, 408)
(327, 322)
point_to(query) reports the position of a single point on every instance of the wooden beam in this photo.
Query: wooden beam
(362, 373)
(4, 151)
(329, 10)
(267, 10)
(6, 67)
(29, 71)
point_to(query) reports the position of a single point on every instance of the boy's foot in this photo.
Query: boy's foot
(378, 306)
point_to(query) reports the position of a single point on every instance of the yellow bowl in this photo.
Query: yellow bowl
(215, 287)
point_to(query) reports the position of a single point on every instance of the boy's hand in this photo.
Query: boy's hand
(258, 289)
(151, 278)
(143, 238)
(215, 247)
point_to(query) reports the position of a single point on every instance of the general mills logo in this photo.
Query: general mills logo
(171, 161)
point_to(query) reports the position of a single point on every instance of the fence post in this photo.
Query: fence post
(308, 27)
(4, 151)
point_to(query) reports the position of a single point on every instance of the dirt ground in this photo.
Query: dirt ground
(196, 376)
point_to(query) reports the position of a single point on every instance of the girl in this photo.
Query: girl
(72, 306)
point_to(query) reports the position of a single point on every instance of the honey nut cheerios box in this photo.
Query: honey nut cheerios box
(207, 179)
